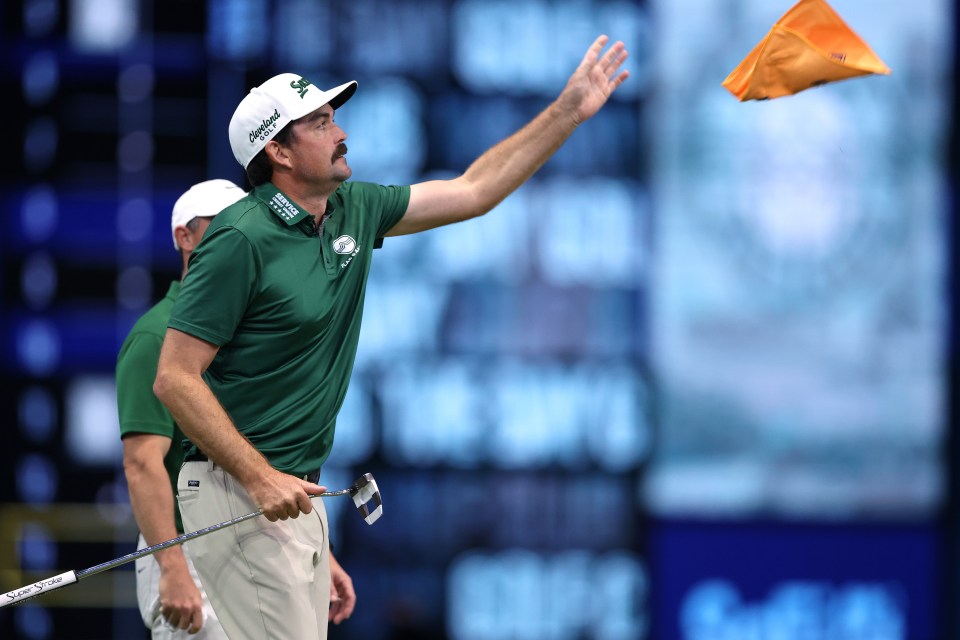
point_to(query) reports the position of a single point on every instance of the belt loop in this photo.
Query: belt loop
(210, 465)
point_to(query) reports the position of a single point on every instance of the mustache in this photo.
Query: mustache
(341, 151)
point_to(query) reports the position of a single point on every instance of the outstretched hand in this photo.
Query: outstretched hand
(595, 79)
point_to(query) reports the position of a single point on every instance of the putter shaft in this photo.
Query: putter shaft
(365, 487)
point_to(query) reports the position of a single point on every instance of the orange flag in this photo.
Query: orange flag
(809, 46)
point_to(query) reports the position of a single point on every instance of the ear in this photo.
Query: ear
(277, 153)
(184, 238)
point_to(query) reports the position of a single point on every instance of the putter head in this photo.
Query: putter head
(365, 491)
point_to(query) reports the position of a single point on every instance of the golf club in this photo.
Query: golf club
(363, 491)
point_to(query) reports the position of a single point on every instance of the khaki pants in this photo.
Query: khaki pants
(265, 580)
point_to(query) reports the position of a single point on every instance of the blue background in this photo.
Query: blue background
(696, 379)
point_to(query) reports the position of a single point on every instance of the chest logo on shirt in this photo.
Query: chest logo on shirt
(344, 245)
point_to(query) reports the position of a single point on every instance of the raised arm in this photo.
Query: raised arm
(503, 168)
(182, 390)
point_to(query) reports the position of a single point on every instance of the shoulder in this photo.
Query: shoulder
(248, 213)
(365, 193)
(143, 342)
(154, 321)
(235, 229)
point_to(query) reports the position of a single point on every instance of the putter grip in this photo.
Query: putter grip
(37, 588)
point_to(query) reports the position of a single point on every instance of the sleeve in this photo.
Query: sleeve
(393, 205)
(138, 409)
(219, 286)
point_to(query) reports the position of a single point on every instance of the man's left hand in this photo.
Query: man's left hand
(595, 79)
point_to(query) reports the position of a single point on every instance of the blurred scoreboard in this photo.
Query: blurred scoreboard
(698, 316)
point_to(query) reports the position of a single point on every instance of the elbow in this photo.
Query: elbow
(484, 203)
(137, 461)
(163, 385)
(476, 199)
(134, 467)
(477, 212)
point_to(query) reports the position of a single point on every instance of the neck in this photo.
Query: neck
(310, 198)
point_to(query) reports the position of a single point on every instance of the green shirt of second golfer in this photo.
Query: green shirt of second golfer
(138, 409)
(284, 304)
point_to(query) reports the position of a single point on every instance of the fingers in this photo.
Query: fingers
(314, 489)
(181, 605)
(336, 608)
(187, 617)
(594, 51)
(346, 601)
(608, 63)
(613, 58)
(346, 607)
(303, 504)
(341, 608)
(619, 80)
(196, 623)
(343, 598)
(610, 57)
(285, 497)
(290, 508)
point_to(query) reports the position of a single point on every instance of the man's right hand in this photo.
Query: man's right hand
(280, 496)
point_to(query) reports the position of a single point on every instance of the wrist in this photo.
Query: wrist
(251, 470)
(171, 558)
(565, 113)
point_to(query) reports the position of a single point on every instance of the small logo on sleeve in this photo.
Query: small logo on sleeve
(193, 483)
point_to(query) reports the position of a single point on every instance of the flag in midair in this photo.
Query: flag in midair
(809, 46)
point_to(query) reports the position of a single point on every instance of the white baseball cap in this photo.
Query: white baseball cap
(204, 199)
(273, 105)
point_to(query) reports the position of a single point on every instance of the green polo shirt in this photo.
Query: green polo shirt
(139, 410)
(284, 305)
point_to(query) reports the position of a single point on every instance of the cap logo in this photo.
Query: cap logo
(266, 128)
(300, 85)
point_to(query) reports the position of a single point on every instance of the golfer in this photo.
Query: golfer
(262, 338)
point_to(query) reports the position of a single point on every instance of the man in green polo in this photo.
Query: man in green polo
(171, 598)
(262, 339)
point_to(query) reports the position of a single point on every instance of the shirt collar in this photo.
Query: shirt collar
(282, 206)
